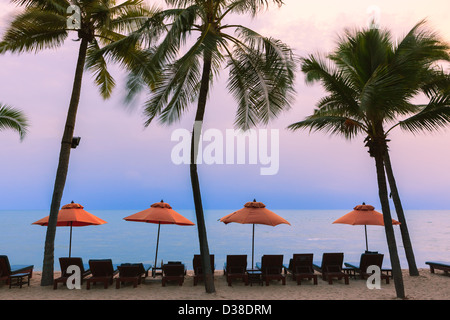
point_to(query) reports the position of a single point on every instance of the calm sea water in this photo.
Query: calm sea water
(311, 231)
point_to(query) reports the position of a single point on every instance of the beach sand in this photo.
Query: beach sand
(426, 286)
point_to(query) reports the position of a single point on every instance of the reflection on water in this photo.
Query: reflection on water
(311, 231)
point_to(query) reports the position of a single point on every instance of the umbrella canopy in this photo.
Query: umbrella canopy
(364, 215)
(160, 213)
(254, 213)
(72, 215)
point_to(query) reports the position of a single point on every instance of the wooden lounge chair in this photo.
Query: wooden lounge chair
(64, 263)
(173, 272)
(300, 266)
(236, 268)
(439, 265)
(290, 269)
(102, 271)
(368, 259)
(272, 268)
(9, 273)
(198, 271)
(331, 267)
(131, 272)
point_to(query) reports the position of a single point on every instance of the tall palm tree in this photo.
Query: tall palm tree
(261, 76)
(431, 117)
(14, 119)
(371, 83)
(43, 25)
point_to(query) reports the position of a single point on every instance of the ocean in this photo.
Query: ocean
(311, 231)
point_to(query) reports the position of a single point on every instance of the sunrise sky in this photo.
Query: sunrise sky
(119, 164)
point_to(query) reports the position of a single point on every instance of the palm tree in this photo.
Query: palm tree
(431, 117)
(261, 76)
(14, 119)
(43, 25)
(371, 82)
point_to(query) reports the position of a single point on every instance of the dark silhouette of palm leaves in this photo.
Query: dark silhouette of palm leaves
(11, 118)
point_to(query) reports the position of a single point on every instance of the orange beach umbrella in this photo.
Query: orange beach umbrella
(160, 213)
(364, 215)
(254, 213)
(72, 215)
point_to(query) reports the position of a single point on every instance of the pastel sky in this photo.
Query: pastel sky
(119, 164)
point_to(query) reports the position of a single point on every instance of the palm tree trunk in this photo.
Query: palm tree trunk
(390, 236)
(413, 271)
(201, 226)
(63, 166)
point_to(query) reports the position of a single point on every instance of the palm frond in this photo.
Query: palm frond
(338, 125)
(176, 87)
(436, 81)
(262, 72)
(253, 7)
(133, 17)
(124, 17)
(423, 46)
(34, 30)
(14, 119)
(181, 3)
(360, 53)
(386, 94)
(334, 81)
(56, 6)
(434, 116)
(247, 114)
(127, 52)
(180, 28)
(97, 65)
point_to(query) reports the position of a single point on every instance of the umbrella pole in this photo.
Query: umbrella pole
(70, 241)
(253, 244)
(157, 243)
(365, 230)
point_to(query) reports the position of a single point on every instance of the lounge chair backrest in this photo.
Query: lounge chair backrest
(332, 259)
(173, 269)
(272, 260)
(139, 266)
(272, 264)
(65, 262)
(236, 263)
(370, 260)
(131, 269)
(197, 263)
(101, 268)
(302, 262)
(5, 267)
(303, 259)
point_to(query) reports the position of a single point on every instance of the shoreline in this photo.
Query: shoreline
(426, 286)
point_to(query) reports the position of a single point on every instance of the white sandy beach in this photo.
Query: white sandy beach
(426, 286)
